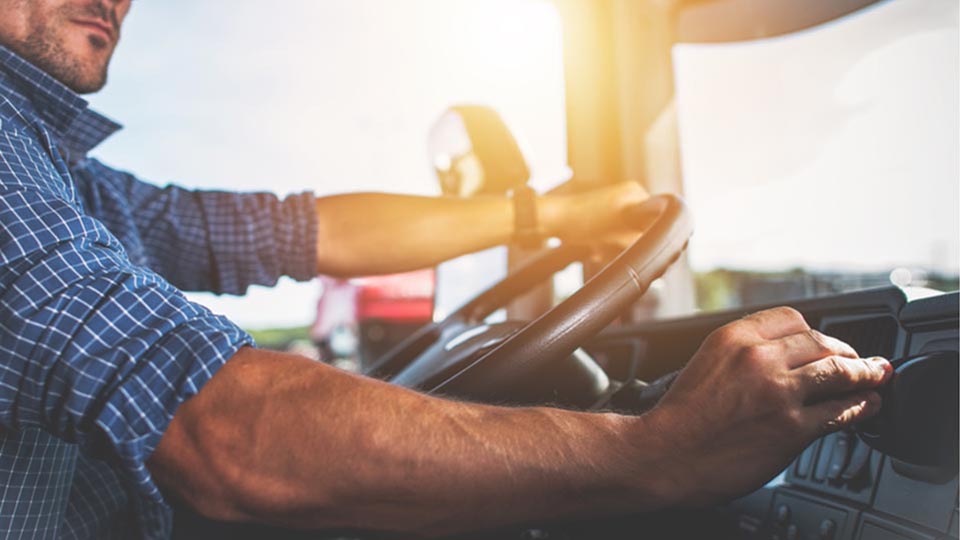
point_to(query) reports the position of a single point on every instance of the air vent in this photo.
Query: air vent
(875, 336)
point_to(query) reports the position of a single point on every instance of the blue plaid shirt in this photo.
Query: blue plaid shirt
(98, 346)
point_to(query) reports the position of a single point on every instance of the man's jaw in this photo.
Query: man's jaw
(76, 58)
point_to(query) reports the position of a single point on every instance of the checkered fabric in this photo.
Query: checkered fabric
(98, 346)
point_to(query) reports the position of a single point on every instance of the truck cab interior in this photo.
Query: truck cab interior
(789, 148)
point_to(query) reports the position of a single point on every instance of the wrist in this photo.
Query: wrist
(551, 209)
(527, 231)
(656, 475)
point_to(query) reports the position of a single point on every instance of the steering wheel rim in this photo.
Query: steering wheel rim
(511, 367)
(473, 312)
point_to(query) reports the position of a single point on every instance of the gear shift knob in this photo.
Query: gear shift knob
(917, 422)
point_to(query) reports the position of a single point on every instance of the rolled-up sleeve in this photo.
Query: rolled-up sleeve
(214, 241)
(95, 349)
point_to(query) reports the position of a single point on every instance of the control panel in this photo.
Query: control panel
(840, 487)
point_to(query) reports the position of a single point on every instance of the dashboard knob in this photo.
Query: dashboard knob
(917, 422)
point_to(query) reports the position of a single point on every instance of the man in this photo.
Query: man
(118, 394)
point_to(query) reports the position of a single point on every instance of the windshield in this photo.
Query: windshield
(821, 161)
(334, 97)
(825, 160)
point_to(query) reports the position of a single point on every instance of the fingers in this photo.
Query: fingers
(837, 414)
(632, 192)
(639, 217)
(777, 322)
(808, 346)
(833, 344)
(836, 375)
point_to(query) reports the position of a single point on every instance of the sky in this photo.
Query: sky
(831, 148)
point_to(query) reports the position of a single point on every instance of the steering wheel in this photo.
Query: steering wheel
(539, 362)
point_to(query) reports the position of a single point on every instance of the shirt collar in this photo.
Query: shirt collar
(77, 128)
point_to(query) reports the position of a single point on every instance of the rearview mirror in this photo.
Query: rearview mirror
(473, 153)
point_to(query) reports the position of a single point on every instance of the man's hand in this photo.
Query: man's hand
(599, 213)
(756, 393)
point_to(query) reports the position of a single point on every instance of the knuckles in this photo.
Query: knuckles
(789, 313)
(726, 337)
(781, 393)
(756, 356)
(838, 371)
(833, 371)
(820, 345)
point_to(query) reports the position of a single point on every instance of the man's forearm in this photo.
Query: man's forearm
(281, 439)
(379, 233)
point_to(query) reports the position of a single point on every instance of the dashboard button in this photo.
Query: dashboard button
(827, 529)
(840, 455)
(806, 460)
(783, 514)
(859, 461)
(824, 459)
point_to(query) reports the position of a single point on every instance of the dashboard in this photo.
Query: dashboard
(839, 488)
